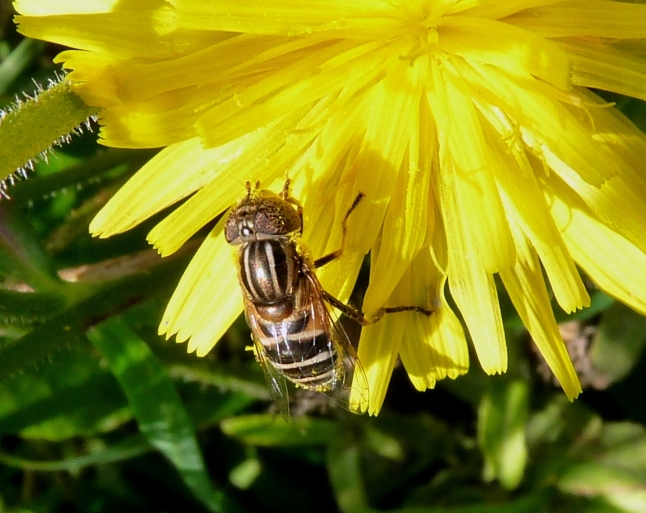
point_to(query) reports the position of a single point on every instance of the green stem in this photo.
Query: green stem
(31, 127)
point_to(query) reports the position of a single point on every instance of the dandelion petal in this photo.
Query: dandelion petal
(527, 290)
(195, 311)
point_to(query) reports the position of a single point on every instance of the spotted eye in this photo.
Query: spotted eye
(231, 227)
(276, 217)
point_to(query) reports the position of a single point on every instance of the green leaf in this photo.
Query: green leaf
(21, 252)
(208, 406)
(621, 488)
(502, 417)
(88, 304)
(400, 448)
(155, 403)
(18, 61)
(27, 309)
(623, 444)
(273, 431)
(611, 465)
(344, 467)
(559, 426)
(72, 395)
(534, 503)
(124, 450)
(111, 161)
(246, 472)
(222, 376)
(617, 345)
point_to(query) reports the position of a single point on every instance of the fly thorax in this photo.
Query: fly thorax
(268, 271)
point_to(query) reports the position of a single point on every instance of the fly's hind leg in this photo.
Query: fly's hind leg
(349, 310)
(354, 314)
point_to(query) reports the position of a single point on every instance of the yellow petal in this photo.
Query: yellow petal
(262, 155)
(40, 8)
(620, 202)
(378, 349)
(172, 174)
(526, 205)
(405, 223)
(320, 170)
(323, 71)
(92, 68)
(232, 58)
(553, 131)
(433, 347)
(496, 9)
(315, 178)
(377, 156)
(603, 67)
(472, 286)
(478, 237)
(469, 170)
(339, 276)
(154, 122)
(290, 17)
(527, 290)
(600, 18)
(208, 298)
(145, 125)
(617, 266)
(123, 32)
(494, 43)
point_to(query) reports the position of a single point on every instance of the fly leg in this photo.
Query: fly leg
(326, 259)
(354, 314)
(349, 310)
(285, 195)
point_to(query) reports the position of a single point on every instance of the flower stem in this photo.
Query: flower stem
(31, 127)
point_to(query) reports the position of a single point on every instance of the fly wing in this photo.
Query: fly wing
(275, 380)
(310, 349)
(348, 387)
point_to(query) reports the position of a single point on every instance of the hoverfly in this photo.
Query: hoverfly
(295, 335)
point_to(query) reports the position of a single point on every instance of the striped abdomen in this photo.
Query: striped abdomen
(301, 348)
(288, 316)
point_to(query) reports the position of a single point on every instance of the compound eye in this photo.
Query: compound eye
(231, 228)
(276, 217)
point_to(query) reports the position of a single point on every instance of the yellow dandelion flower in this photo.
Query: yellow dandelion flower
(466, 124)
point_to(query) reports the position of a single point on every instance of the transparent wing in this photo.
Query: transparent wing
(276, 382)
(348, 387)
(310, 349)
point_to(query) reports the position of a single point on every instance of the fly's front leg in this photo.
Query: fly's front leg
(326, 259)
(285, 191)
(285, 195)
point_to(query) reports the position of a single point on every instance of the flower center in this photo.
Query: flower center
(421, 33)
